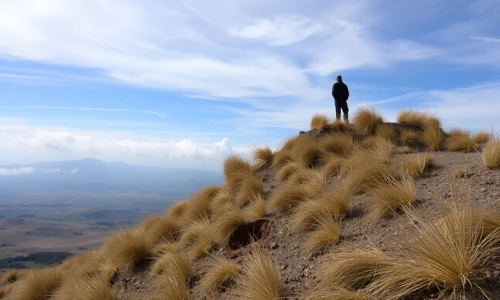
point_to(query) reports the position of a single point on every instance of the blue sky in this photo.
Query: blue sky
(183, 83)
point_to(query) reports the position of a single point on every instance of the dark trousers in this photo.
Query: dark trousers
(341, 105)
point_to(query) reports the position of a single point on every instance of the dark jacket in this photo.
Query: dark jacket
(340, 91)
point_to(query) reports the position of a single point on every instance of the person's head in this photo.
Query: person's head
(339, 78)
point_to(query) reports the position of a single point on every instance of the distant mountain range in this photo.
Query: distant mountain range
(94, 175)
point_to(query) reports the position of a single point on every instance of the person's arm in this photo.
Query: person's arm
(333, 90)
(347, 89)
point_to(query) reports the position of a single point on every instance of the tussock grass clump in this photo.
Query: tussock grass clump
(256, 210)
(263, 156)
(433, 137)
(234, 165)
(449, 255)
(222, 198)
(307, 152)
(416, 165)
(337, 143)
(169, 287)
(221, 275)
(230, 218)
(491, 154)
(198, 237)
(287, 169)
(386, 132)
(319, 121)
(285, 197)
(353, 270)
(326, 232)
(258, 280)
(338, 125)
(175, 264)
(391, 196)
(380, 148)
(409, 137)
(178, 210)
(312, 181)
(12, 276)
(281, 158)
(418, 118)
(128, 247)
(251, 187)
(85, 288)
(332, 164)
(460, 140)
(37, 285)
(481, 137)
(200, 203)
(158, 228)
(5, 290)
(334, 203)
(361, 171)
(366, 120)
(403, 150)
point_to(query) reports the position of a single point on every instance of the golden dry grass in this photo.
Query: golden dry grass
(326, 232)
(337, 143)
(319, 121)
(415, 165)
(460, 140)
(409, 137)
(12, 276)
(256, 210)
(175, 264)
(307, 153)
(128, 247)
(5, 290)
(281, 158)
(222, 198)
(85, 288)
(340, 126)
(334, 203)
(403, 150)
(449, 255)
(481, 137)
(37, 285)
(386, 132)
(198, 237)
(168, 287)
(336, 294)
(433, 137)
(263, 156)
(158, 228)
(285, 197)
(221, 275)
(178, 210)
(491, 154)
(332, 164)
(366, 120)
(418, 118)
(251, 188)
(459, 173)
(258, 279)
(391, 196)
(352, 270)
(287, 169)
(235, 164)
(379, 148)
(361, 171)
(200, 204)
(231, 217)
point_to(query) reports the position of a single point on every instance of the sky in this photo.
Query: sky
(184, 83)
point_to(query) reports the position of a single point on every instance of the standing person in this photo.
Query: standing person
(340, 93)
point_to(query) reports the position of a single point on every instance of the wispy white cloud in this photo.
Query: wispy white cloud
(54, 170)
(158, 114)
(18, 171)
(486, 39)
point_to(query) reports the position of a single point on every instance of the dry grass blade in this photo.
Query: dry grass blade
(176, 264)
(391, 196)
(481, 137)
(128, 247)
(256, 210)
(366, 120)
(287, 169)
(416, 165)
(334, 203)
(200, 203)
(386, 132)
(353, 270)
(285, 197)
(379, 148)
(433, 137)
(361, 172)
(86, 288)
(319, 121)
(169, 287)
(403, 150)
(199, 237)
(251, 187)
(281, 158)
(460, 140)
(339, 126)
(448, 255)
(307, 153)
(235, 164)
(326, 232)
(178, 210)
(5, 290)
(418, 118)
(222, 198)
(221, 275)
(409, 137)
(258, 280)
(158, 228)
(336, 294)
(37, 285)
(12, 276)
(491, 154)
(337, 143)
(332, 164)
(230, 218)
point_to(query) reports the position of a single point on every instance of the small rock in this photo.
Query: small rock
(274, 245)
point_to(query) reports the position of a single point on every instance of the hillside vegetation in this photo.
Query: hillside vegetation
(367, 210)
